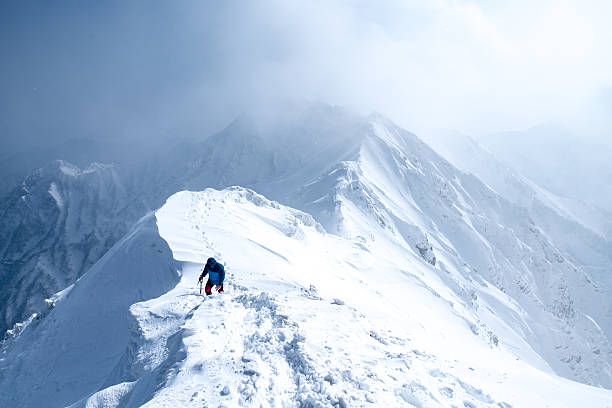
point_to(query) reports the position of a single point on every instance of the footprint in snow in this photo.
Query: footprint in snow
(476, 393)
(417, 395)
(436, 372)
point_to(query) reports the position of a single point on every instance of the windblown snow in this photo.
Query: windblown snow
(386, 278)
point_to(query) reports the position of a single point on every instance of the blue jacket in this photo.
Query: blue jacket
(215, 271)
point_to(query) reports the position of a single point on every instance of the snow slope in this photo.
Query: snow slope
(568, 164)
(471, 156)
(466, 222)
(70, 349)
(313, 319)
(582, 231)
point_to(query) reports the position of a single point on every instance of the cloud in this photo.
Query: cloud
(189, 67)
(443, 63)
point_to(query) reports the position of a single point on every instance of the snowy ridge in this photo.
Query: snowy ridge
(556, 157)
(470, 156)
(468, 223)
(302, 324)
(398, 189)
(73, 349)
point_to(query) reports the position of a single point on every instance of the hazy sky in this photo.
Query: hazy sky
(150, 68)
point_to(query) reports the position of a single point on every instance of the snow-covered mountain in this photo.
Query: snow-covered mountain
(62, 219)
(568, 164)
(417, 198)
(54, 227)
(471, 156)
(397, 279)
(581, 230)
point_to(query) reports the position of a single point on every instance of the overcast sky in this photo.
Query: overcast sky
(119, 68)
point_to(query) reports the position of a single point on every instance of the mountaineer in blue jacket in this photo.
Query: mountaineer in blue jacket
(216, 276)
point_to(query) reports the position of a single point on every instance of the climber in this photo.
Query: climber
(216, 275)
